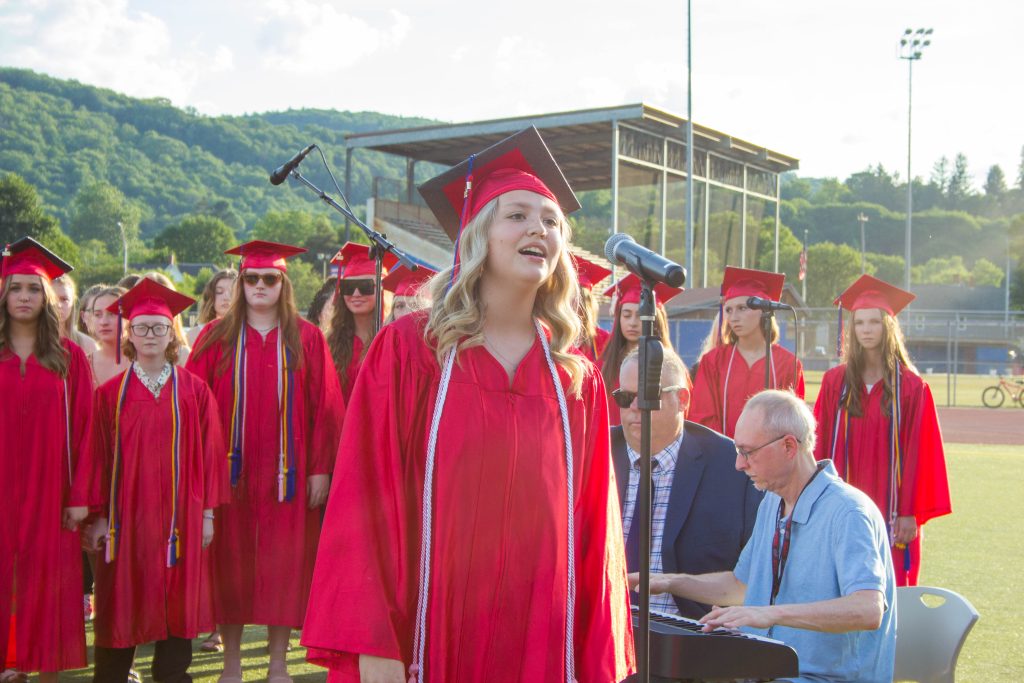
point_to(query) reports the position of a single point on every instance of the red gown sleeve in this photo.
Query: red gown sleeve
(93, 486)
(825, 414)
(217, 489)
(603, 650)
(798, 385)
(323, 396)
(372, 514)
(80, 403)
(924, 492)
(706, 397)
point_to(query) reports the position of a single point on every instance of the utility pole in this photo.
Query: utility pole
(912, 45)
(862, 219)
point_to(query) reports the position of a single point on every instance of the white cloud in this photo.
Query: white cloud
(106, 43)
(308, 37)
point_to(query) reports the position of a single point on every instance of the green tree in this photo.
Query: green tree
(995, 182)
(876, 186)
(831, 191)
(22, 215)
(1020, 170)
(100, 211)
(305, 281)
(959, 187)
(830, 269)
(941, 271)
(198, 239)
(986, 274)
(886, 267)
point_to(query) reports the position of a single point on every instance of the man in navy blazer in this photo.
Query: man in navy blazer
(703, 508)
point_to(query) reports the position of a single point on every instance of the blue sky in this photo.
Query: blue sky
(819, 80)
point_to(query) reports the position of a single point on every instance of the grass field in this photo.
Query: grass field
(962, 391)
(976, 552)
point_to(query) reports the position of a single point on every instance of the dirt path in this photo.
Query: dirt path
(983, 425)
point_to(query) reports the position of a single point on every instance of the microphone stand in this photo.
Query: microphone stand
(766, 330)
(648, 400)
(379, 242)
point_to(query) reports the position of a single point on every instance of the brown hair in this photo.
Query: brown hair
(85, 305)
(49, 349)
(207, 309)
(67, 326)
(226, 330)
(170, 353)
(618, 348)
(894, 353)
(341, 338)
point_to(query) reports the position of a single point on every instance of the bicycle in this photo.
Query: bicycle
(994, 396)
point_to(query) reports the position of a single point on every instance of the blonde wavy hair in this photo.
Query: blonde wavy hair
(456, 317)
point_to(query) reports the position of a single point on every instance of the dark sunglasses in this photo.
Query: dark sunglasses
(364, 287)
(269, 279)
(624, 399)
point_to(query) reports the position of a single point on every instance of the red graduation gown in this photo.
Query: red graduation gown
(264, 550)
(601, 338)
(139, 599)
(924, 490)
(744, 381)
(352, 371)
(40, 561)
(497, 603)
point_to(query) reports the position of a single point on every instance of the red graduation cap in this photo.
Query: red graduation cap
(404, 282)
(627, 291)
(870, 292)
(519, 162)
(353, 260)
(749, 282)
(149, 297)
(589, 272)
(263, 254)
(28, 257)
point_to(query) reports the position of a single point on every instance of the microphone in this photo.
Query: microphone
(623, 250)
(759, 304)
(285, 169)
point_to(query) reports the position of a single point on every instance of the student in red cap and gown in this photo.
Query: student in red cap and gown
(45, 410)
(593, 340)
(873, 394)
(281, 408)
(354, 315)
(626, 330)
(408, 290)
(157, 473)
(473, 532)
(731, 369)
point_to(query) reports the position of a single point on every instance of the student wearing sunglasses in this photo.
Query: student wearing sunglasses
(355, 306)
(703, 508)
(281, 409)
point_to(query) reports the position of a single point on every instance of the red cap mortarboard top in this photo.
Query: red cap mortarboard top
(748, 282)
(404, 282)
(353, 260)
(28, 257)
(261, 254)
(589, 272)
(627, 291)
(870, 292)
(519, 162)
(149, 297)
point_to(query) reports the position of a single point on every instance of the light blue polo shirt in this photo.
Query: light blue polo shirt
(839, 546)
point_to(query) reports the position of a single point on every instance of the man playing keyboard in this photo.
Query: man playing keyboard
(817, 572)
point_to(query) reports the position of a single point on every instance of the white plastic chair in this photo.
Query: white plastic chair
(929, 638)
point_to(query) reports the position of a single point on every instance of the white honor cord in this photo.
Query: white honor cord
(416, 670)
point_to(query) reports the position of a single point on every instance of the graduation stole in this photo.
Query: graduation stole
(417, 673)
(895, 478)
(286, 467)
(114, 514)
(725, 388)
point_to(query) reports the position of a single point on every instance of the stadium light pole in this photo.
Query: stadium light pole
(912, 45)
(862, 219)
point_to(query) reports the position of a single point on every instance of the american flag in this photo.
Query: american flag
(803, 263)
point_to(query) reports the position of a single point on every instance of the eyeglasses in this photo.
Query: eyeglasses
(158, 330)
(747, 453)
(269, 279)
(624, 399)
(364, 287)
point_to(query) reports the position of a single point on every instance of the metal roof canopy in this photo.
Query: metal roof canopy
(581, 141)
